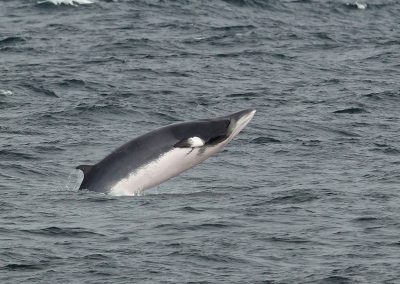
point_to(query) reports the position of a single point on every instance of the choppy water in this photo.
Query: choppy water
(308, 193)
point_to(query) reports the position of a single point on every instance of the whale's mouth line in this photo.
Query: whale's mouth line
(216, 140)
(234, 127)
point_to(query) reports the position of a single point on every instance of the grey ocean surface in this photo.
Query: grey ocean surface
(307, 193)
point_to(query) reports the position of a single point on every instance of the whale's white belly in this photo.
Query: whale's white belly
(168, 165)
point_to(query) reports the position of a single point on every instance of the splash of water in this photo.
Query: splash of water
(74, 179)
(68, 2)
(6, 92)
(361, 6)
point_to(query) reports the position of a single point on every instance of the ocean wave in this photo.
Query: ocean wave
(352, 110)
(384, 95)
(244, 95)
(6, 92)
(22, 267)
(65, 232)
(357, 5)
(265, 140)
(15, 155)
(234, 28)
(250, 3)
(190, 209)
(11, 40)
(39, 89)
(386, 149)
(67, 2)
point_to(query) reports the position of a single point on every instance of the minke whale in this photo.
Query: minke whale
(159, 155)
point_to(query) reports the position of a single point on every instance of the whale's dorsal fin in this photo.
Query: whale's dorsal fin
(191, 142)
(85, 168)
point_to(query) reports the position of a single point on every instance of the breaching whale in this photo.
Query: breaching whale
(159, 155)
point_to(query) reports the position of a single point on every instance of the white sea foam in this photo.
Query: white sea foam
(68, 2)
(361, 6)
(6, 92)
(73, 181)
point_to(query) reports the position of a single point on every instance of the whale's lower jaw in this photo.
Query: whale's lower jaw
(167, 166)
(239, 124)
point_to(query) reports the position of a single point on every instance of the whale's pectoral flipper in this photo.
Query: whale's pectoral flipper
(192, 142)
(85, 168)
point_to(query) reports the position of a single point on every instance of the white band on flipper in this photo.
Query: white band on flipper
(191, 142)
(195, 142)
